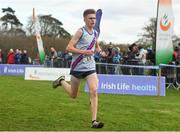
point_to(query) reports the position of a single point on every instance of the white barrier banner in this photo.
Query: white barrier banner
(49, 74)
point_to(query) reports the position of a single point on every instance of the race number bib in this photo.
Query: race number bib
(87, 58)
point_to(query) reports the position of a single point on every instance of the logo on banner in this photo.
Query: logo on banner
(35, 75)
(5, 69)
(165, 23)
(134, 85)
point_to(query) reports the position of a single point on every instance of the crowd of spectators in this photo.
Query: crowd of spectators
(17, 57)
(135, 55)
(106, 64)
(58, 59)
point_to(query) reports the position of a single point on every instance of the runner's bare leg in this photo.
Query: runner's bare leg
(92, 82)
(71, 89)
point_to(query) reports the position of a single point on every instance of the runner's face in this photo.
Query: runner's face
(90, 20)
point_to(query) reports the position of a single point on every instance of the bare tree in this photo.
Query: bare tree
(49, 26)
(150, 31)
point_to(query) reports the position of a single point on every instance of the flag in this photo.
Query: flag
(164, 31)
(38, 38)
(98, 20)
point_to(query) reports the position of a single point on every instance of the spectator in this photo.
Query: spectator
(133, 51)
(142, 59)
(141, 56)
(29, 60)
(110, 53)
(103, 57)
(178, 57)
(24, 58)
(110, 59)
(36, 61)
(10, 57)
(116, 60)
(52, 56)
(150, 56)
(102, 68)
(117, 56)
(178, 63)
(1, 56)
(131, 60)
(175, 55)
(17, 57)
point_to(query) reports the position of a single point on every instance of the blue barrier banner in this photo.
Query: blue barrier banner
(133, 85)
(7, 69)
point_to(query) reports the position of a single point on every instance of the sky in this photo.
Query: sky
(122, 20)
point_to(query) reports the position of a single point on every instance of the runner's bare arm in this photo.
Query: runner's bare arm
(98, 49)
(72, 43)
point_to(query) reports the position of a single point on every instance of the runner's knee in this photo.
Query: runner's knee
(93, 92)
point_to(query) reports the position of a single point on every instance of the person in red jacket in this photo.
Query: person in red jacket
(1, 56)
(10, 57)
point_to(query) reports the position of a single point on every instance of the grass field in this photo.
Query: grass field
(35, 106)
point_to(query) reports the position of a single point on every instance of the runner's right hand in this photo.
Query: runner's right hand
(88, 52)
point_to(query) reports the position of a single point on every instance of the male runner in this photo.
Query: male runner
(83, 45)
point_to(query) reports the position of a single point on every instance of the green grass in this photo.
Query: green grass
(35, 106)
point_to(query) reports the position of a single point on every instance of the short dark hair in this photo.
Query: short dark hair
(89, 11)
(131, 46)
(176, 48)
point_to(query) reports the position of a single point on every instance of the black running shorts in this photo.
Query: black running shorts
(81, 74)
